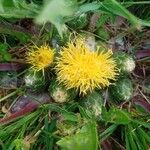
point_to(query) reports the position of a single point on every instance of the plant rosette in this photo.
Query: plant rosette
(59, 93)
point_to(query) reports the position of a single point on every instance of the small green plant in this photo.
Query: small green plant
(74, 74)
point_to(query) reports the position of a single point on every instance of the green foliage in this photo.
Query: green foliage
(103, 19)
(102, 33)
(17, 9)
(67, 9)
(113, 7)
(4, 54)
(10, 132)
(136, 138)
(116, 116)
(108, 132)
(19, 144)
(72, 125)
(55, 11)
(85, 138)
(29, 125)
(142, 5)
(78, 22)
(61, 40)
(22, 36)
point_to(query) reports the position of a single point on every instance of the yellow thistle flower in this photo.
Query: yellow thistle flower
(40, 57)
(79, 67)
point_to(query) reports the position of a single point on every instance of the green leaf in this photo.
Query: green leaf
(18, 9)
(117, 116)
(3, 48)
(48, 139)
(145, 135)
(6, 131)
(127, 140)
(55, 11)
(137, 139)
(102, 20)
(142, 123)
(89, 7)
(104, 135)
(1, 6)
(103, 33)
(84, 113)
(115, 7)
(131, 140)
(85, 138)
(22, 36)
(4, 54)
(70, 116)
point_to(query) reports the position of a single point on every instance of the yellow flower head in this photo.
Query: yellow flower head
(79, 67)
(40, 57)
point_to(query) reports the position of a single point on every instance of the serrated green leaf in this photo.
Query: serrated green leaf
(85, 138)
(117, 116)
